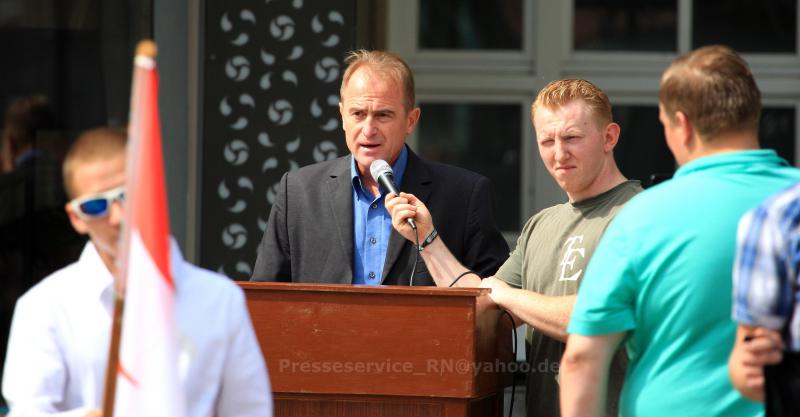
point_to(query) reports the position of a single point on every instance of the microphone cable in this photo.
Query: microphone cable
(463, 274)
(416, 256)
(514, 354)
(513, 344)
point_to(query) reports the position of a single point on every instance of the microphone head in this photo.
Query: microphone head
(380, 167)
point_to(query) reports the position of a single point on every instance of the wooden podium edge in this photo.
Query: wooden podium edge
(380, 289)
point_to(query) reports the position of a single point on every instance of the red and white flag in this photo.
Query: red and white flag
(148, 382)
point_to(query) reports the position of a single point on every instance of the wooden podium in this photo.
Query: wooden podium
(349, 350)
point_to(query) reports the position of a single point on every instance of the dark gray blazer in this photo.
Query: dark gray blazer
(309, 234)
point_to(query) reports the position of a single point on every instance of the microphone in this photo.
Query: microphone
(382, 172)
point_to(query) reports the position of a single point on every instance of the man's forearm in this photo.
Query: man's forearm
(584, 374)
(445, 268)
(547, 314)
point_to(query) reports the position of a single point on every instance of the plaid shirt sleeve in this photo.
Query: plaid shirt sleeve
(766, 262)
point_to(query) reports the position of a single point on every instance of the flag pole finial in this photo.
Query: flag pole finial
(147, 48)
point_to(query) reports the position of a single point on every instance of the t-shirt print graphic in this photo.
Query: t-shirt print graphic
(570, 255)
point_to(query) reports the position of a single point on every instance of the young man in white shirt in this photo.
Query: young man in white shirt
(58, 347)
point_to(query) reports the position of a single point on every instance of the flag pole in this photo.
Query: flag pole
(146, 48)
(113, 357)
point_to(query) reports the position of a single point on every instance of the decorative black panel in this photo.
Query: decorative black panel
(271, 93)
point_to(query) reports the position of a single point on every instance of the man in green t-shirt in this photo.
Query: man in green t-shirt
(660, 279)
(537, 284)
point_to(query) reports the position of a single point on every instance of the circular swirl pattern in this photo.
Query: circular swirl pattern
(274, 108)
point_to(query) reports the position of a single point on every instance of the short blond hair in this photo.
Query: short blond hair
(91, 146)
(714, 87)
(562, 92)
(384, 63)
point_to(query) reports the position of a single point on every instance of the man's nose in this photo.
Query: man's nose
(369, 128)
(562, 153)
(115, 212)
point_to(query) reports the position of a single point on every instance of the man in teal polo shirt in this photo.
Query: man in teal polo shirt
(660, 279)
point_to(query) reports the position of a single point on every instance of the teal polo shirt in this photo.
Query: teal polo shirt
(662, 273)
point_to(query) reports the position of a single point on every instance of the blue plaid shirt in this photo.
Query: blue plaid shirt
(765, 273)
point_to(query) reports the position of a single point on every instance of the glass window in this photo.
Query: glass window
(642, 151)
(78, 53)
(470, 24)
(746, 25)
(643, 25)
(484, 138)
(777, 131)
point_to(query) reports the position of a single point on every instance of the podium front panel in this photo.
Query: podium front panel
(359, 340)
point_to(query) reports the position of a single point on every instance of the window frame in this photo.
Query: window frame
(629, 78)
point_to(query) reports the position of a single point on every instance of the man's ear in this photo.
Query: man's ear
(413, 118)
(684, 128)
(611, 137)
(341, 113)
(77, 223)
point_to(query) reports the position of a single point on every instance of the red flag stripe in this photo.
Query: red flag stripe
(149, 185)
(127, 375)
(149, 348)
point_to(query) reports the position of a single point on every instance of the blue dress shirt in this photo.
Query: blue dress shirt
(372, 225)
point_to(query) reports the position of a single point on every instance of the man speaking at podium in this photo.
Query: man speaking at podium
(329, 223)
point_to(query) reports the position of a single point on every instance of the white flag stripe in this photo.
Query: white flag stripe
(149, 345)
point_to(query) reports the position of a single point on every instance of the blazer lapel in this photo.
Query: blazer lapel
(341, 203)
(416, 180)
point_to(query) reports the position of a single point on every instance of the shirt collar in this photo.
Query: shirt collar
(176, 262)
(737, 158)
(100, 278)
(605, 195)
(398, 169)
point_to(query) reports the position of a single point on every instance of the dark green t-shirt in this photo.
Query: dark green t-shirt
(551, 256)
